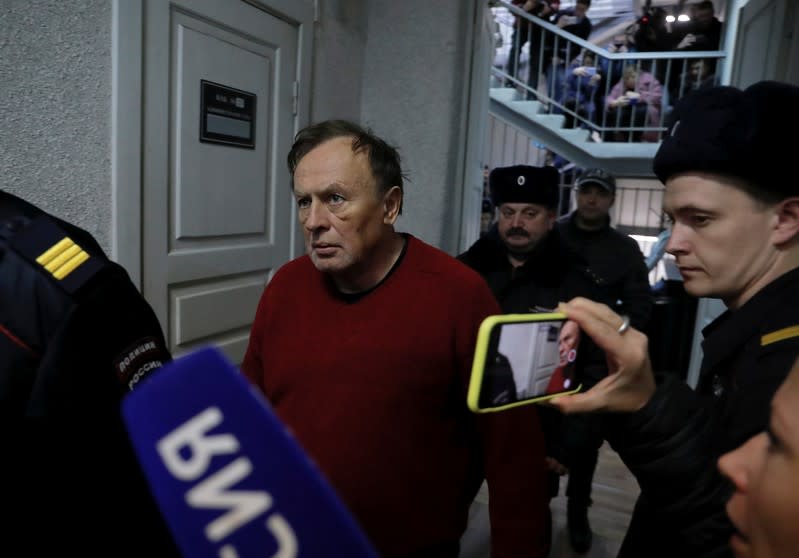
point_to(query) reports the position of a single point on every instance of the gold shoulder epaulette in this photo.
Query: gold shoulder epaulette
(779, 335)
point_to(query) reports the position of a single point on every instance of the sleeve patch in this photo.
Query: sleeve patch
(779, 335)
(139, 360)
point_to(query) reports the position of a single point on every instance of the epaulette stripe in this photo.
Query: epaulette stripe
(56, 249)
(779, 335)
(70, 266)
(62, 258)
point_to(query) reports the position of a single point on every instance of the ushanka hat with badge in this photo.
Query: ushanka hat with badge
(733, 132)
(525, 184)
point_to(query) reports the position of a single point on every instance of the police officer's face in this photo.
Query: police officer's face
(522, 226)
(722, 239)
(765, 473)
(345, 220)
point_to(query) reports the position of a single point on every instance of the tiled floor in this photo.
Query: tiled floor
(614, 493)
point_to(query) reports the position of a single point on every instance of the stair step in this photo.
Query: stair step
(504, 94)
(551, 120)
(575, 135)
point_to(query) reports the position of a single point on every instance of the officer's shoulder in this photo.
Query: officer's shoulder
(63, 254)
(780, 328)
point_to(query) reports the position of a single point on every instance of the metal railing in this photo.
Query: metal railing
(586, 83)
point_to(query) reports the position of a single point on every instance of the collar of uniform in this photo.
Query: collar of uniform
(730, 331)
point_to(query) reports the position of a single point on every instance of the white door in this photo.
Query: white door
(216, 216)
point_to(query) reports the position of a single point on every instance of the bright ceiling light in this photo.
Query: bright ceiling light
(670, 19)
(683, 17)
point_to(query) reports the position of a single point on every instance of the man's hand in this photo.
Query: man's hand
(556, 466)
(630, 383)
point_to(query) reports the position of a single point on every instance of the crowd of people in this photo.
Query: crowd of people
(592, 91)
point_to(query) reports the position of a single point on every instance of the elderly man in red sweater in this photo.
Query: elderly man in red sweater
(364, 347)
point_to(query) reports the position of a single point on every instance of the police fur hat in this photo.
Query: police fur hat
(525, 184)
(600, 177)
(728, 131)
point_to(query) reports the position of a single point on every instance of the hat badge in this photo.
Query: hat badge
(520, 180)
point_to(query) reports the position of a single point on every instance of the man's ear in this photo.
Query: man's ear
(787, 227)
(392, 203)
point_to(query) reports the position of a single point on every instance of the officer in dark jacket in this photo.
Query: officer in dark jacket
(735, 236)
(616, 264)
(613, 258)
(75, 337)
(530, 269)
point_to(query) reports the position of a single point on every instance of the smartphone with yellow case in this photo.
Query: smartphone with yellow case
(521, 359)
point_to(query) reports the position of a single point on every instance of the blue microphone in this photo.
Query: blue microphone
(230, 480)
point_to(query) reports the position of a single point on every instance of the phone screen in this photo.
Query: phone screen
(523, 358)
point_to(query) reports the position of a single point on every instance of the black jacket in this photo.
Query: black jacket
(550, 275)
(617, 265)
(673, 443)
(75, 337)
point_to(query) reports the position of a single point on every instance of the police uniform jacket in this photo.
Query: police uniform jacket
(673, 443)
(75, 337)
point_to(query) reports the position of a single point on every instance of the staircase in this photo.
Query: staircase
(620, 158)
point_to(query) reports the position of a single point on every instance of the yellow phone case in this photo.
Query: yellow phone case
(481, 350)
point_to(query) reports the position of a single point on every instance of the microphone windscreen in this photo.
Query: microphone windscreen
(229, 478)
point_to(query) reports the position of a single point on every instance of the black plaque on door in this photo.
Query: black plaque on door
(227, 115)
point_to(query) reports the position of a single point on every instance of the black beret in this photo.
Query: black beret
(732, 132)
(600, 177)
(525, 184)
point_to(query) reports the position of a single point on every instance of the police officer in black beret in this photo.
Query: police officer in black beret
(75, 337)
(734, 205)
(529, 269)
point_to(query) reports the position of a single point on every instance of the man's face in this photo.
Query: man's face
(703, 17)
(765, 473)
(344, 219)
(579, 10)
(593, 203)
(721, 237)
(522, 226)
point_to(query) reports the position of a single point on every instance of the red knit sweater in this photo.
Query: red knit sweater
(375, 391)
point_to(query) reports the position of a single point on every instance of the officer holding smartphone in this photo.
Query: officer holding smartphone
(735, 236)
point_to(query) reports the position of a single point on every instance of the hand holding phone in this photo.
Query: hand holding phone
(522, 359)
(630, 383)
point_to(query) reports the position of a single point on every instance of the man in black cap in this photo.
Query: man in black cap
(529, 269)
(75, 337)
(735, 236)
(616, 263)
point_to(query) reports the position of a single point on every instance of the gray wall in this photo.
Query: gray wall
(55, 106)
(338, 60)
(415, 77)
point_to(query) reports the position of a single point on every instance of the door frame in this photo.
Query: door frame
(127, 93)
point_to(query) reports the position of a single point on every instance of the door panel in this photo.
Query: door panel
(217, 218)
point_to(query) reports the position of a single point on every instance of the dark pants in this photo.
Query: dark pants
(581, 438)
(573, 440)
